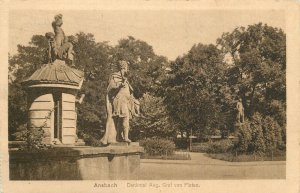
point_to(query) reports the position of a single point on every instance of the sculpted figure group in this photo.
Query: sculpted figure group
(60, 47)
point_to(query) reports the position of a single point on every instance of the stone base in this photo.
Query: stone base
(80, 142)
(237, 128)
(125, 144)
(76, 163)
(56, 142)
(238, 124)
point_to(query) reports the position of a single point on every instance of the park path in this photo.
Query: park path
(203, 167)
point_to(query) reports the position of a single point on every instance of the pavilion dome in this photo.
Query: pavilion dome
(56, 74)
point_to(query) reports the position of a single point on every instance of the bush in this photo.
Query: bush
(181, 143)
(272, 134)
(91, 140)
(251, 137)
(158, 146)
(244, 138)
(257, 145)
(221, 146)
(259, 136)
(32, 137)
(276, 109)
(279, 156)
(200, 147)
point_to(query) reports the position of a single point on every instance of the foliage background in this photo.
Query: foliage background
(193, 95)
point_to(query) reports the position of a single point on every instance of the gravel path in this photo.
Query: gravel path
(203, 167)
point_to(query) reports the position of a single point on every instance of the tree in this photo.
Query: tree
(259, 62)
(94, 58)
(154, 120)
(21, 66)
(146, 69)
(28, 59)
(97, 60)
(192, 90)
(257, 75)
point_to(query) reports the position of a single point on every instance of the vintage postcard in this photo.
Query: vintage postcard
(150, 96)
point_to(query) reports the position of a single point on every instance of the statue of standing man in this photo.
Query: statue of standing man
(120, 106)
(240, 111)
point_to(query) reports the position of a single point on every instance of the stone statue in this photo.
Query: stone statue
(59, 32)
(59, 45)
(240, 111)
(120, 106)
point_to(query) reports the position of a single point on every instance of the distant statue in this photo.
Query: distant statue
(240, 111)
(120, 106)
(59, 45)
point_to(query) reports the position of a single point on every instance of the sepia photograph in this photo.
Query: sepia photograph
(147, 96)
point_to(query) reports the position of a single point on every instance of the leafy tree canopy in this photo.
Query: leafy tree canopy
(259, 57)
(197, 91)
(97, 60)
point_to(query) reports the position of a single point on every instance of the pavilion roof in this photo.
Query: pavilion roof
(55, 73)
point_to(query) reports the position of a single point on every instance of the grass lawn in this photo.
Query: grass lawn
(246, 158)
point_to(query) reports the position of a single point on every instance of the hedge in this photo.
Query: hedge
(158, 146)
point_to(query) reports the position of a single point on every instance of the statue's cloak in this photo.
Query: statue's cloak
(110, 131)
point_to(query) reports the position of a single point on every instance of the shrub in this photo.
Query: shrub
(200, 147)
(91, 140)
(221, 146)
(257, 144)
(181, 143)
(276, 109)
(272, 134)
(246, 158)
(156, 146)
(244, 138)
(33, 138)
(259, 136)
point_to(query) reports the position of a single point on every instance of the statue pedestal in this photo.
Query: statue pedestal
(80, 142)
(238, 124)
(76, 163)
(237, 127)
(126, 144)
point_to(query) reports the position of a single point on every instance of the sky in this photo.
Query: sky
(171, 33)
